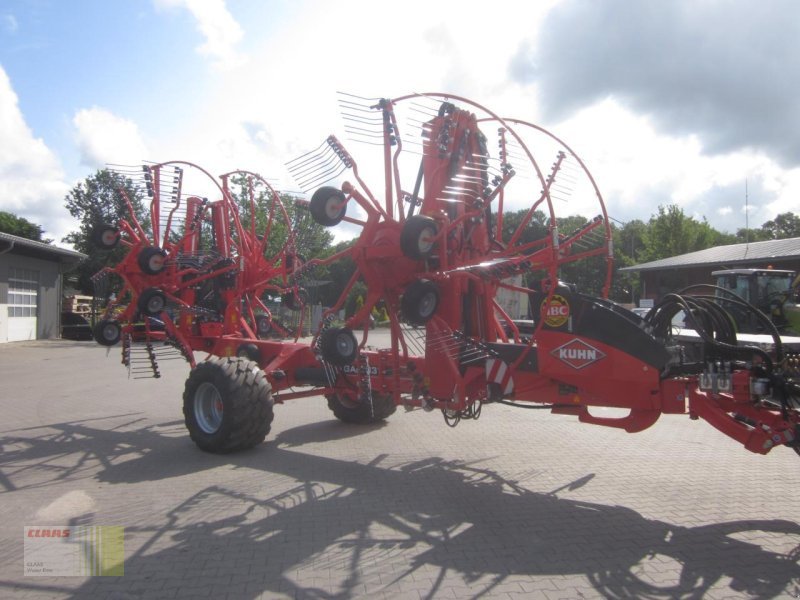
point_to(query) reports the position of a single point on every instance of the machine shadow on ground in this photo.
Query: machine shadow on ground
(349, 529)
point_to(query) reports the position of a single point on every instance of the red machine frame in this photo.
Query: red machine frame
(163, 272)
(434, 253)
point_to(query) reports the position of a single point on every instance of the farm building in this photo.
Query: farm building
(672, 274)
(31, 287)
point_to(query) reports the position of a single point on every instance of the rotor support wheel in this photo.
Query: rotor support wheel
(338, 346)
(328, 206)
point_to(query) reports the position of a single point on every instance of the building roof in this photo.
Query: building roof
(20, 245)
(728, 256)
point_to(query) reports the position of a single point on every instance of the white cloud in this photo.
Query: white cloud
(221, 31)
(638, 168)
(283, 101)
(10, 23)
(285, 104)
(718, 70)
(31, 179)
(103, 138)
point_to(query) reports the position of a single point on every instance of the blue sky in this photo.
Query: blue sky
(139, 59)
(678, 102)
(64, 56)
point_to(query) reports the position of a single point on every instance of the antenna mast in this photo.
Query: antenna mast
(746, 214)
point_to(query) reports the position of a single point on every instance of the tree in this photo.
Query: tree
(338, 273)
(95, 202)
(311, 239)
(535, 229)
(785, 225)
(628, 246)
(672, 233)
(258, 206)
(11, 223)
(588, 273)
(751, 235)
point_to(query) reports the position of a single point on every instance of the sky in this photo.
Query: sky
(687, 102)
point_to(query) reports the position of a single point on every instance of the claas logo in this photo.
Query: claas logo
(556, 311)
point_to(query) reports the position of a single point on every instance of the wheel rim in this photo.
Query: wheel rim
(155, 304)
(108, 237)
(344, 345)
(333, 207)
(427, 305)
(208, 408)
(110, 332)
(425, 240)
(263, 326)
(156, 263)
(347, 402)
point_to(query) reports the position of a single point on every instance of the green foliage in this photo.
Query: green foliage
(355, 299)
(671, 233)
(785, 225)
(628, 244)
(338, 274)
(751, 235)
(94, 202)
(19, 226)
(311, 239)
(534, 230)
(668, 233)
(589, 273)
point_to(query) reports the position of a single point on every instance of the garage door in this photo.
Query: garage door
(23, 304)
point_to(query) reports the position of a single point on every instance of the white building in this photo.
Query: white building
(31, 287)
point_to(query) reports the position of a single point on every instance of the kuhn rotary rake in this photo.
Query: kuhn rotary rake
(437, 249)
(202, 271)
(439, 242)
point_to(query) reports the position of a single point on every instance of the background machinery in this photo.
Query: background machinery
(775, 292)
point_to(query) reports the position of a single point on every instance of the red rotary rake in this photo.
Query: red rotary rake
(203, 270)
(439, 244)
(437, 249)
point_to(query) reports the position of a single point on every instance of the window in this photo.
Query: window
(774, 284)
(23, 292)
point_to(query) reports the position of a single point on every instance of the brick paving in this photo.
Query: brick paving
(520, 504)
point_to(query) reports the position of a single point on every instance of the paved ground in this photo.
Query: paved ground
(521, 504)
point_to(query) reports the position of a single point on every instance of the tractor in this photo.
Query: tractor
(773, 291)
(435, 243)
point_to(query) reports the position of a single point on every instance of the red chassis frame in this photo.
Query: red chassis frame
(435, 253)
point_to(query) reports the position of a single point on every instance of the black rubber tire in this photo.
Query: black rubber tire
(250, 352)
(151, 302)
(416, 230)
(151, 260)
(324, 206)
(105, 236)
(107, 332)
(419, 302)
(295, 300)
(263, 326)
(361, 412)
(247, 405)
(338, 346)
